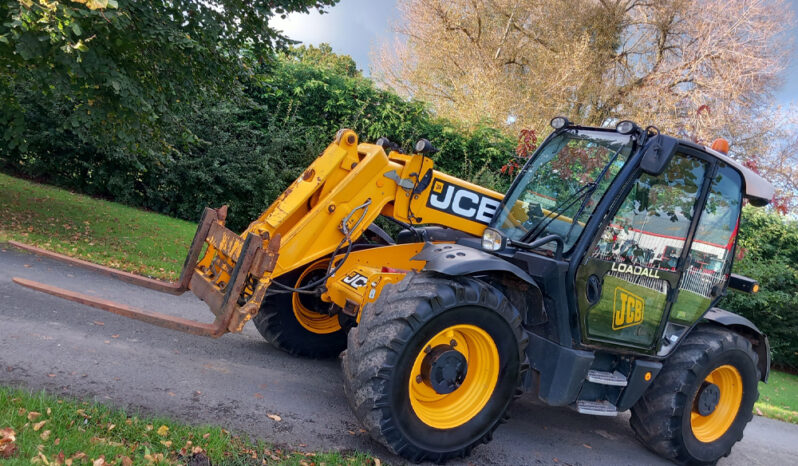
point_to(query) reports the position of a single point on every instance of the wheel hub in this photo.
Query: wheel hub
(444, 369)
(707, 398)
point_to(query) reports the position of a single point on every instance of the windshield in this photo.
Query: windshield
(558, 191)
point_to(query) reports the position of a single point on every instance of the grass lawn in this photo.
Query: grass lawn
(778, 399)
(95, 230)
(40, 429)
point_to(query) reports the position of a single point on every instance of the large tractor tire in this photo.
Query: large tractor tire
(434, 364)
(699, 404)
(295, 322)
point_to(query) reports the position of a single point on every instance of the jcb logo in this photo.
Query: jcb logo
(355, 280)
(628, 309)
(462, 202)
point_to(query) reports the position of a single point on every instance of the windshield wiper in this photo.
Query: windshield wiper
(583, 193)
(540, 227)
(592, 190)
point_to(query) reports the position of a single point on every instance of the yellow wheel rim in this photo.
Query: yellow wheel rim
(310, 320)
(712, 426)
(446, 411)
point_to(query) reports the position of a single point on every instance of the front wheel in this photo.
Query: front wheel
(433, 365)
(701, 401)
(297, 323)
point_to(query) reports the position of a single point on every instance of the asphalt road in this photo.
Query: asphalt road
(234, 381)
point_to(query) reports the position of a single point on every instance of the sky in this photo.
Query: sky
(355, 27)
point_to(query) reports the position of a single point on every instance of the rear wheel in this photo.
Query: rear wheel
(433, 365)
(698, 406)
(297, 322)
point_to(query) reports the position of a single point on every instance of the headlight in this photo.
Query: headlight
(493, 240)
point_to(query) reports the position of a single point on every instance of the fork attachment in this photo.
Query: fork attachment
(231, 277)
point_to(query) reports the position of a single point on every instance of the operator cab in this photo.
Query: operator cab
(644, 223)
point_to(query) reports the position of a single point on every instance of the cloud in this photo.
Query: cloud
(352, 27)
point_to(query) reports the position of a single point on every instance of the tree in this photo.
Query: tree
(117, 71)
(698, 69)
(323, 57)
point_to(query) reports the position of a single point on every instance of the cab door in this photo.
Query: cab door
(631, 273)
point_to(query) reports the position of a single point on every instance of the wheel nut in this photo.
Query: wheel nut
(419, 379)
(453, 342)
(428, 349)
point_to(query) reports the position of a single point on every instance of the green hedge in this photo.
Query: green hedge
(245, 152)
(768, 243)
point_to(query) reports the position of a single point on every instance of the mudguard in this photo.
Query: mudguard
(456, 260)
(745, 327)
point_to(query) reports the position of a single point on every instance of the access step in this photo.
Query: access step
(596, 408)
(616, 379)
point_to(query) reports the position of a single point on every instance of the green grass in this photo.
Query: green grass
(95, 230)
(778, 399)
(46, 429)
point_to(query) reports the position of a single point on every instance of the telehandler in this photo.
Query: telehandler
(590, 283)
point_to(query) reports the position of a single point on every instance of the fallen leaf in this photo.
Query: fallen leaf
(78, 456)
(8, 450)
(166, 443)
(163, 431)
(206, 435)
(49, 411)
(7, 446)
(111, 426)
(27, 266)
(57, 441)
(99, 461)
(759, 412)
(39, 425)
(258, 395)
(587, 446)
(149, 427)
(33, 415)
(21, 411)
(126, 461)
(115, 336)
(377, 462)
(50, 375)
(45, 435)
(274, 417)
(97, 322)
(60, 458)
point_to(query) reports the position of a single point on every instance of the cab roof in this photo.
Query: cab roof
(758, 190)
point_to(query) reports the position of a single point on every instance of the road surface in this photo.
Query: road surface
(234, 381)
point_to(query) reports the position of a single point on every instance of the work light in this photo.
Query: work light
(559, 122)
(625, 127)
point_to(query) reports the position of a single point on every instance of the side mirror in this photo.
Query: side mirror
(659, 151)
